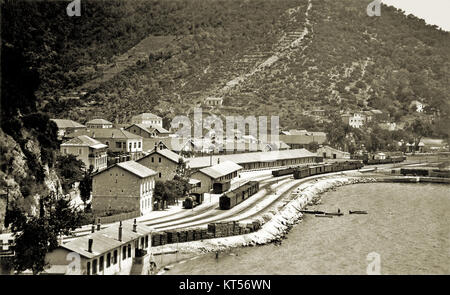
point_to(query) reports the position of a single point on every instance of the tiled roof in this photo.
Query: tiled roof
(106, 239)
(99, 121)
(84, 140)
(201, 162)
(146, 116)
(105, 133)
(221, 169)
(136, 169)
(63, 123)
(165, 153)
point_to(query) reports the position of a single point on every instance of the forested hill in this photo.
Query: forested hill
(265, 57)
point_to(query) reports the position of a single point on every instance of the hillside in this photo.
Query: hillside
(264, 57)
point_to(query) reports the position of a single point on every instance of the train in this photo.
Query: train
(284, 171)
(385, 161)
(232, 198)
(193, 200)
(303, 172)
(431, 172)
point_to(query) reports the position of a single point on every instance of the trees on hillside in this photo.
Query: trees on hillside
(35, 236)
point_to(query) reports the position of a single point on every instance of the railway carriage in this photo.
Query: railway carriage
(301, 173)
(238, 195)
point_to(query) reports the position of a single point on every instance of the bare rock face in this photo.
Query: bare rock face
(16, 173)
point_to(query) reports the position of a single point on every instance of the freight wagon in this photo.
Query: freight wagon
(238, 195)
(220, 187)
(327, 168)
(284, 171)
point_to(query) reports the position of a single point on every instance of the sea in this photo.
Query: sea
(406, 231)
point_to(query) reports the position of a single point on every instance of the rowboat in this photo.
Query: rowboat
(323, 215)
(334, 214)
(312, 212)
(357, 212)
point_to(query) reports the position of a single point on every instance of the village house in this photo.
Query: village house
(88, 150)
(213, 101)
(417, 105)
(355, 120)
(297, 139)
(221, 172)
(328, 152)
(121, 249)
(99, 123)
(147, 120)
(121, 143)
(123, 187)
(162, 160)
(6, 252)
(147, 132)
(66, 127)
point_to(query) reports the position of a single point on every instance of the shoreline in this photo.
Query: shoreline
(277, 223)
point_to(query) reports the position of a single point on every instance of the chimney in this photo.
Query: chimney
(99, 224)
(90, 243)
(135, 226)
(93, 229)
(120, 231)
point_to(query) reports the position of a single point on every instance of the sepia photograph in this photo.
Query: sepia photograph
(245, 138)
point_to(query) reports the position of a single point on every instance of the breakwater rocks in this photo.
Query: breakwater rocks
(275, 224)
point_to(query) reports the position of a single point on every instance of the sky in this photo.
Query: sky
(434, 12)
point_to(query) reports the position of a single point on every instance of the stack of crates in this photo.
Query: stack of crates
(230, 228)
(172, 237)
(163, 238)
(197, 234)
(156, 239)
(221, 229)
(236, 228)
(256, 225)
(212, 229)
(189, 235)
(182, 236)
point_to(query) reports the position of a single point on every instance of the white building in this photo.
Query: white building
(147, 120)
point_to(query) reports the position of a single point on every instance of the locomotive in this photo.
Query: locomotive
(193, 200)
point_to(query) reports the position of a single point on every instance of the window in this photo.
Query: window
(146, 241)
(115, 257)
(139, 145)
(159, 174)
(79, 151)
(94, 266)
(134, 145)
(124, 252)
(142, 242)
(108, 260)
(118, 145)
(129, 146)
(159, 159)
(88, 268)
(129, 250)
(101, 263)
(65, 151)
(153, 160)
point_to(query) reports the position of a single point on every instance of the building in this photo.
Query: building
(256, 160)
(163, 161)
(147, 120)
(417, 105)
(99, 123)
(328, 152)
(66, 127)
(355, 120)
(224, 171)
(213, 101)
(6, 253)
(120, 249)
(123, 187)
(90, 151)
(147, 132)
(298, 140)
(119, 142)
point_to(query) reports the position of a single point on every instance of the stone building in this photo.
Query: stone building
(90, 151)
(224, 171)
(123, 187)
(120, 249)
(147, 120)
(147, 132)
(66, 127)
(163, 161)
(99, 123)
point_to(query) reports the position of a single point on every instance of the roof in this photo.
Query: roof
(213, 98)
(105, 133)
(242, 158)
(136, 168)
(193, 181)
(146, 116)
(165, 153)
(306, 138)
(160, 129)
(63, 123)
(221, 169)
(84, 140)
(140, 126)
(106, 239)
(99, 121)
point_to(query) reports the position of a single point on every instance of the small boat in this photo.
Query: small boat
(334, 213)
(312, 212)
(357, 212)
(323, 215)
